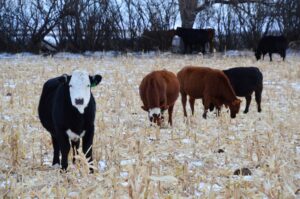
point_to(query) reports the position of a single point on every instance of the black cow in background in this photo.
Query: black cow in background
(67, 110)
(245, 81)
(196, 37)
(271, 44)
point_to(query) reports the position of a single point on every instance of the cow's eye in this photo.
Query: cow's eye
(70, 85)
(88, 85)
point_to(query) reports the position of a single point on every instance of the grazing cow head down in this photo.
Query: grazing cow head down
(155, 114)
(257, 55)
(80, 84)
(234, 107)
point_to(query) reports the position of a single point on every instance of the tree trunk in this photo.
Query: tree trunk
(188, 12)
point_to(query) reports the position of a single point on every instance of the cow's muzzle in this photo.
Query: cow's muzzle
(79, 101)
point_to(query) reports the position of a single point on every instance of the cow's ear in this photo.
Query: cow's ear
(236, 102)
(144, 108)
(64, 78)
(95, 80)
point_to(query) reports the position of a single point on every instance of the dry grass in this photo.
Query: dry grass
(139, 161)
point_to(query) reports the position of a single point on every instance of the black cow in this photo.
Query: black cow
(67, 110)
(271, 44)
(245, 81)
(195, 37)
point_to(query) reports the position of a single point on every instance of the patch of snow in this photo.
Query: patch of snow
(124, 174)
(7, 118)
(73, 194)
(186, 141)
(4, 184)
(195, 163)
(238, 53)
(297, 176)
(127, 162)
(298, 149)
(296, 86)
(67, 55)
(124, 184)
(10, 84)
(102, 165)
(207, 187)
(248, 178)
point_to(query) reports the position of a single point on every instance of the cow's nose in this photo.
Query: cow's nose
(79, 101)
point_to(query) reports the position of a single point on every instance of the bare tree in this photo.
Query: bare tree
(190, 8)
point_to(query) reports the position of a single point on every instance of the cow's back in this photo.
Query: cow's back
(172, 85)
(193, 80)
(273, 43)
(244, 80)
(200, 81)
(159, 86)
(46, 103)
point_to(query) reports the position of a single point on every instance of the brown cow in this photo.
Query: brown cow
(159, 90)
(211, 85)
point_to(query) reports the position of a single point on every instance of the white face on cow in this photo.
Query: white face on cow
(80, 90)
(153, 111)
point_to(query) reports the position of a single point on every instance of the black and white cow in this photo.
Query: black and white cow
(67, 110)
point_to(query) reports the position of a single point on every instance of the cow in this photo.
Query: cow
(67, 111)
(271, 44)
(245, 81)
(153, 40)
(196, 37)
(211, 85)
(159, 91)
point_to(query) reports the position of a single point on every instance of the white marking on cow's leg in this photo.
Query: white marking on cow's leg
(153, 111)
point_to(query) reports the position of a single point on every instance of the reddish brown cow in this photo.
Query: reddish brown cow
(211, 85)
(159, 91)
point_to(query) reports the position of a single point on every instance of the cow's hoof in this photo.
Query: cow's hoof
(259, 110)
(245, 111)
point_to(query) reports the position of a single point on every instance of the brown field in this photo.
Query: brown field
(135, 160)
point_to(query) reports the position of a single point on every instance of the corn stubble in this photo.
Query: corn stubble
(194, 158)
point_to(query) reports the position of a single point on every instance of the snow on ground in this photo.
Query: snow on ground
(136, 160)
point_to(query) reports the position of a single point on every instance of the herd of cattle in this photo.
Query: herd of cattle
(67, 107)
(196, 39)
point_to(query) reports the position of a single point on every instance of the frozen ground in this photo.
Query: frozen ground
(135, 160)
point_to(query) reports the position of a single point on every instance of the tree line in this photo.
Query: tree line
(90, 25)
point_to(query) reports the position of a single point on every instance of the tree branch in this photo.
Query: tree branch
(208, 3)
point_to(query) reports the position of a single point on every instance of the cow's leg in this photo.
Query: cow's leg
(258, 97)
(248, 101)
(183, 101)
(75, 146)
(64, 146)
(270, 55)
(203, 48)
(56, 151)
(87, 142)
(283, 55)
(206, 102)
(192, 104)
(170, 112)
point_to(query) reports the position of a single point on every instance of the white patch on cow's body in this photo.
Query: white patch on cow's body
(153, 111)
(73, 136)
(80, 89)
